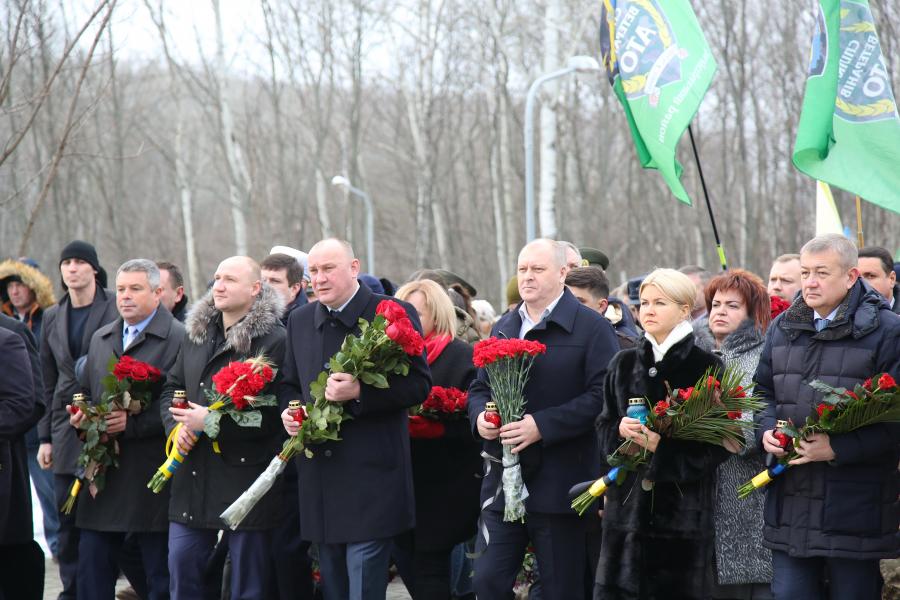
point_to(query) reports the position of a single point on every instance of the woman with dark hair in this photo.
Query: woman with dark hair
(739, 313)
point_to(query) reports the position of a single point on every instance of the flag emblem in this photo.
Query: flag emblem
(864, 86)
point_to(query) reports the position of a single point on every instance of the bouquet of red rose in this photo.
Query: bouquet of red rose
(710, 411)
(382, 348)
(443, 404)
(237, 390)
(508, 363)
(841, 410)
(128, 387)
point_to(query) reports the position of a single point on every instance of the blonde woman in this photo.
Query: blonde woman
(658, 543)
(446, 468)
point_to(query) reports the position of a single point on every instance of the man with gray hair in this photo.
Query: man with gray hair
(125, 508)
(836, 512)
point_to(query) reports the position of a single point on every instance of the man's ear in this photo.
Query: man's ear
(602, 305)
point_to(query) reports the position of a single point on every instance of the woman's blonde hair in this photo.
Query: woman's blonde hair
(674, 285)
(436, 300)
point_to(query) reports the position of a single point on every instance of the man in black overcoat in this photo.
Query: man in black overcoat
(126, 508)
(355, 494)
(554, 441)
(21, 559)
(238, 319)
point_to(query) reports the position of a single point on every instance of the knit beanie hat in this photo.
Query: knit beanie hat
(86, 252)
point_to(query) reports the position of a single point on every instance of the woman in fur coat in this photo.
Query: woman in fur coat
(658, 543)
(739, 314)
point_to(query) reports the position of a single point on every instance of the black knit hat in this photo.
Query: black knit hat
(86, 252)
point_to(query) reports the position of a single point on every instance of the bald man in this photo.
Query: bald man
(239, 318)
(355, 494)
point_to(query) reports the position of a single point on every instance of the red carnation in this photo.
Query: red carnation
(712, 382)
(660, 408)
(493, 349)
(239, 380)
(852, 395)
(739, 392)
(734, 414)
(886, 382)
(867, 384)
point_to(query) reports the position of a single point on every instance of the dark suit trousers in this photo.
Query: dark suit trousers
(100, 554)
(804, 578)
(559, 542)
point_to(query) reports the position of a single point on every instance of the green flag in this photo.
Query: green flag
(660, 67)
(849, 132)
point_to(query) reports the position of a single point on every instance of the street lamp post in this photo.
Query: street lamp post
(574, 64)
(341, 181)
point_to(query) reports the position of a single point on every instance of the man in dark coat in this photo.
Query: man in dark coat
(355, 494)
(174, 298)
(836, 511)
(876, 267)
(21, 560)
(238, 319)
(125, 507)
(65, 337)
(555, 440)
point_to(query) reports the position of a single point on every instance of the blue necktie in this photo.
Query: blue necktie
(822, 324)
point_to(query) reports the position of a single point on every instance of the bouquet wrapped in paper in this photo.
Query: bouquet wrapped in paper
(128, 387)
(237, 391)
(877, 400)
(382, 348)
(709, 411)
(508, 363)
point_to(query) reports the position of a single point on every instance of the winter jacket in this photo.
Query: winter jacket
(447, 470)
(740, 555)
(209, 481)
(19, 411)
(359, 488)
(126, 504)
(660, 541)
(847, 507)
(14, 270)
(564, 394)
(60, 381)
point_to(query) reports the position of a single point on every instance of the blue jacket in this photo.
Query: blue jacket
(845, 508)
(564, 394)
(359, 488)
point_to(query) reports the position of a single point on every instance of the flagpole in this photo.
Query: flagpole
(712, 217)
(859, 229)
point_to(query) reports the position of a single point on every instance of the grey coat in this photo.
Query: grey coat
(60, 381)
(740, 555)
(125, 504)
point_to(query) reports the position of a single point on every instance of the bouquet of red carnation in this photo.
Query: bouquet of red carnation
(442, 404)
(382, 348)
(778, 305)
(841, 410)
(507, 363)
(710, 411)
(128, 387)
(237, 390)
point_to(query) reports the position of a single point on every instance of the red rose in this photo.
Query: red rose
(867, 384)
(824, 409)
(122, 369)
(391, 310)
(140, 372)
(405, 335)
(685, 393)
(154, 373)
(739, 392)
(712, 382)
(886, 382)
(660, 408)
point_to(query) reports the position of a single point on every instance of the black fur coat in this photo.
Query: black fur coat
(657, 544)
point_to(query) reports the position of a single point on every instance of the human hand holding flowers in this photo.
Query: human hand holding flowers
(342, 387)
(520, 434)
(815, 448)
(772, 444)
(116, 421)
(634, 430)
(488, 429)
(192, 417)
